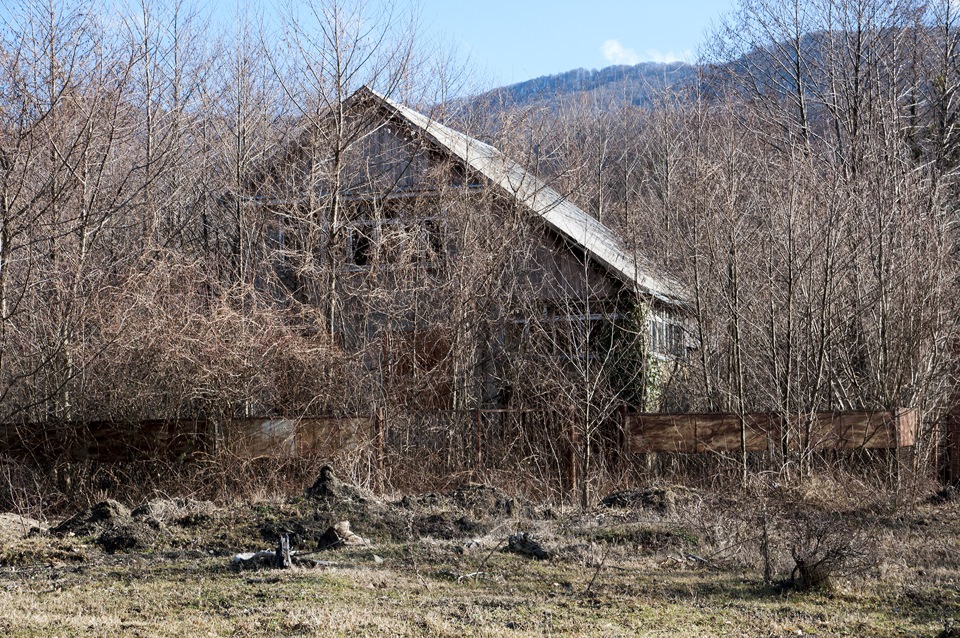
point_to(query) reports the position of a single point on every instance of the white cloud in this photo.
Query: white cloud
(616, 53)
(666, 58)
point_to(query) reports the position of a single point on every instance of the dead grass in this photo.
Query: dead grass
(690, 571)
(410, 597)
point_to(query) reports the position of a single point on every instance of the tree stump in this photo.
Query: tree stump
(283, 560)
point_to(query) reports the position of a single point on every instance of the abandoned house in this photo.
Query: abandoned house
(458, 277)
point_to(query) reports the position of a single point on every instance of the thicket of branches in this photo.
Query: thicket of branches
(175, 205)
(806, 191)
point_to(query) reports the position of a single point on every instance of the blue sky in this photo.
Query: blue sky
(510, 41)
(515, 40)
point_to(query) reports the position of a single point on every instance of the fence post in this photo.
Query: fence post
(624, 434)
(905, 422)
(478, 445)
(378, 425)
(217, 437)
(572, 453)
(953, 449)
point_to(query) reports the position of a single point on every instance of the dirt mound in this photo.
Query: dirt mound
(185, 512)
(307, 521)
(93, 519)
(13, 527)
(447, 526)
(329, 487)
(113, 527)
(484, 501)
(949, 494)
(467, 511)
(661, 499)
(324, 504)
(134, 535)
(473, 500)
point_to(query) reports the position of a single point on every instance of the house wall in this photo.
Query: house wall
(432, 266)
(386, 159)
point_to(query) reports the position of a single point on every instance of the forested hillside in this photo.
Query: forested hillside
(638, 85)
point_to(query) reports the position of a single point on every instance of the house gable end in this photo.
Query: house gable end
(562, 216)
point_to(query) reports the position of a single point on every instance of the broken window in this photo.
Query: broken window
(396, 243)
(360, 246)
(562, 332)
(434, 236)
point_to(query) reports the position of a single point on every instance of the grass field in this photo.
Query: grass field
(438, 566)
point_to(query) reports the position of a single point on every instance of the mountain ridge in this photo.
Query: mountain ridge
(640, 83)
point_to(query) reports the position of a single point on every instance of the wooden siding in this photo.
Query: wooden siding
(292, 438)
(388, 158)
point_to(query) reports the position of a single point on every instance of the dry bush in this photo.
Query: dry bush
(54, 491)
(168, 343)
(824, 547)
(787, 536)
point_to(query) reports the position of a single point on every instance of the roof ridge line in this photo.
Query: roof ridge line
(596, 238)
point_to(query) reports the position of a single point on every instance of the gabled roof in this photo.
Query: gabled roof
(560, 214)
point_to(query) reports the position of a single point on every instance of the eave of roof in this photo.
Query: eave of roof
(563, 216)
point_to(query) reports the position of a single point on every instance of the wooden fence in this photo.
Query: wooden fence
(479, 441)
(112, 441)
(694, 433)
(950, 468)
(329, 435)
(105, 441)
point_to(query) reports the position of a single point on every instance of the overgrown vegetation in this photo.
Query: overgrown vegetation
(192, 226)
(188, 230)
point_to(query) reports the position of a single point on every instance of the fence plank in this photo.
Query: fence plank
(952, 427)
(649, 433)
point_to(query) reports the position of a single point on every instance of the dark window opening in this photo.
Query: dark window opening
(432, 228)
(360, 247)
(572, 333)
